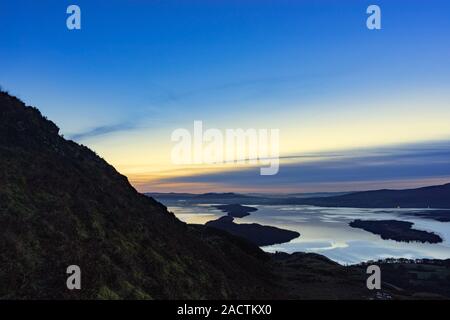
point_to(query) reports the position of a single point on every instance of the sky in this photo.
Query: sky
(356, 108)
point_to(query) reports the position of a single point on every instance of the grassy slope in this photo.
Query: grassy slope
(60, 204)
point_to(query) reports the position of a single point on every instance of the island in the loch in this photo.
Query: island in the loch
(255, 233)
(236, 210)
(396, 230)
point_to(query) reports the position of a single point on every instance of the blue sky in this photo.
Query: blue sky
(139, 69)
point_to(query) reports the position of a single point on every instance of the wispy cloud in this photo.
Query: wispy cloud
(103, 130)
(165, 97)
(261, 85)
(406, 165)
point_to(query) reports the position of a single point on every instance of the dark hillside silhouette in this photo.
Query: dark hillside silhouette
(61, 204)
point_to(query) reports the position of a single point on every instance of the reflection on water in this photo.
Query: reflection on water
(196, 214)
(326, 231)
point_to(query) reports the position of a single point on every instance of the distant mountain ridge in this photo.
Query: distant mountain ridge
(437, 197)
(200, 196)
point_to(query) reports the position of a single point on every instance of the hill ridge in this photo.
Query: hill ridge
(61, 204)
